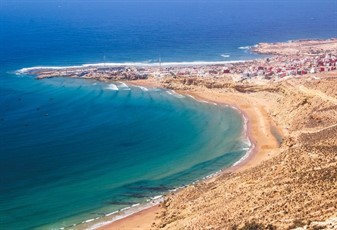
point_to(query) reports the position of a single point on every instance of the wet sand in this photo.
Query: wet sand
(259, 125)
(259, 131)
(137, 221)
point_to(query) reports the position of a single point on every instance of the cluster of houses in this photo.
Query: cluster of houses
(270, 68)
(282, 66)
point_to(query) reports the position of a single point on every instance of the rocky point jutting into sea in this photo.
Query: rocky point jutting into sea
(290, 182)
(293, 58)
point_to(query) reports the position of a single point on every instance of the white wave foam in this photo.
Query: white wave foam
(128, 211)
(203, 101)
(175, 189)
(143, 88)
(249, 143)
(26, 70)
(250, 147)
(173, 93)
(125, 212)
(156, 197)
(112, 87)
(87, 221)
(126, 64)
(245, 156)
(225, 55)
(244, 47)
(111, 213)
(123, 86)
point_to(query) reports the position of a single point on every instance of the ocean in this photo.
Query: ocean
(74, 150)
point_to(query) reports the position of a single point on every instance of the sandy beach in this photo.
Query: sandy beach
(139, 220)
(259, 124)
(168, 115)
(289, 102)
(302, 111)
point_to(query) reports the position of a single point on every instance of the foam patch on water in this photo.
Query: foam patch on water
(87, 221)
(244, 47)
(125, 212)
(173, 93)
(225, 55)
(111, 213)
(123, 86)
(143, 88)
(250, 146)
(112, 87)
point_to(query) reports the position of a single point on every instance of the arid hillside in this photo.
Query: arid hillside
(293, 189)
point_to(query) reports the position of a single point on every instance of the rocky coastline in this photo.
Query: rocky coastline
(291, 59)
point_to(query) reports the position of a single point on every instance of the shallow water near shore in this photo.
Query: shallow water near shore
(75, 149)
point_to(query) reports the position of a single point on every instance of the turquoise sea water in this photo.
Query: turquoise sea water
(73, 150)
(76, 149)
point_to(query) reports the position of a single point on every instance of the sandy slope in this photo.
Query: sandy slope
(286, 187)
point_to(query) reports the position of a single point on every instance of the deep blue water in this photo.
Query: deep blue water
(72, 150)
(59, 32)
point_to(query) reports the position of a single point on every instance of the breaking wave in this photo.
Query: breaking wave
(112, 87)
(125, 64)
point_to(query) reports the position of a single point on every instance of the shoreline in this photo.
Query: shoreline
(133, 64)
(246, 132)
(144, 218)
(124, 216)
(262, 131)
(123, 219)
(238, 101)
(253, 119)
(274, 62)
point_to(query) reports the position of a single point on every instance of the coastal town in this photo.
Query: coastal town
(289, 179)
(290, 59)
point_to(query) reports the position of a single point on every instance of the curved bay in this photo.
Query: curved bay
(75, 149)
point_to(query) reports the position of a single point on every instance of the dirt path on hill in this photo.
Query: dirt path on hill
(313, 93)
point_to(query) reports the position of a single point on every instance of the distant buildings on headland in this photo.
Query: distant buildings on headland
(282, 66)
(272, 68)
